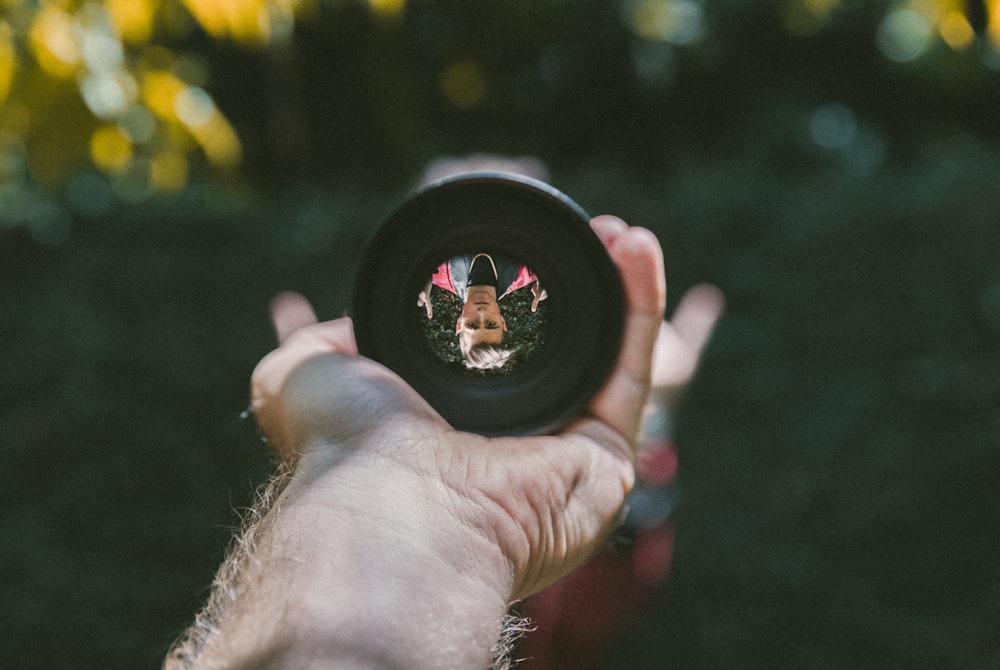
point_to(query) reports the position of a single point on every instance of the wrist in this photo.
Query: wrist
(368, 561)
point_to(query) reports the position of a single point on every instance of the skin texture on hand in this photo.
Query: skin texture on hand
(427, 532)
(550, 499)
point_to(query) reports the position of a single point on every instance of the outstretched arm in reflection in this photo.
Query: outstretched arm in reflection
(538, 294)
(423, 300)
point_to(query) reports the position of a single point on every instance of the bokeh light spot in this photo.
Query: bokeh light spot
(464, 84)
(993, 23)
(132, 19)
(110, 149)
(213, 16)
(674, 21)
(251, 23)
(903, 35)
(108, 95)
(387, 9)
(219, 141)
(99, 46)
(55, 42)
(194, 106)
(160, 90)
(8, 60)
(138, 124)
(956, 31)
(833, 126)
(169, 171)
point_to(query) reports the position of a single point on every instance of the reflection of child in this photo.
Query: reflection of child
(481, 281)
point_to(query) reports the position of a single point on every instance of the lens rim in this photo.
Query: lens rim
(522, 218)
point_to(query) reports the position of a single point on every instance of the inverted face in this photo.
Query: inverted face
(481, 321)
(495, 322)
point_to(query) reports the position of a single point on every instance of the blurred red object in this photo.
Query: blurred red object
(578, 616)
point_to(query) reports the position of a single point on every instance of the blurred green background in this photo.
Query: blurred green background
(167, 166)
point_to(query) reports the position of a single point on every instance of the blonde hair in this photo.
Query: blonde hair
(485, 356)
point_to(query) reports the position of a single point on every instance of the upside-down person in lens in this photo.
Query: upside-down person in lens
(481, 281)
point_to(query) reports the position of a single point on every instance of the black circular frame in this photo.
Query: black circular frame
(524, 219)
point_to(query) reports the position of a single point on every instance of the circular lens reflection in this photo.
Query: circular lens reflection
(485, 312)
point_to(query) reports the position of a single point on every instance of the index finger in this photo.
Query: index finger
(289, 312)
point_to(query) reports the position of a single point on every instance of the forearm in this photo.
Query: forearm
(347, 573)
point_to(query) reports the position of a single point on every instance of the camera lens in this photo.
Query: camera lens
(492, 297)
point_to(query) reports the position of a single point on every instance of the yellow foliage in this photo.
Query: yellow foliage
(8, 60)
(219, 141)
(55, 42)
(993, 28)
(160, 89)
(110, 149)
(177, 103)
(387, 9)
(133, 19)
(244, 21)
(956, 31)
(169, 171)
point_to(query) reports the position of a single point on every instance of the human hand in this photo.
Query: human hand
(538, 294)
(434, 530)
(316, 400)
(424, 300)
(682, 339)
